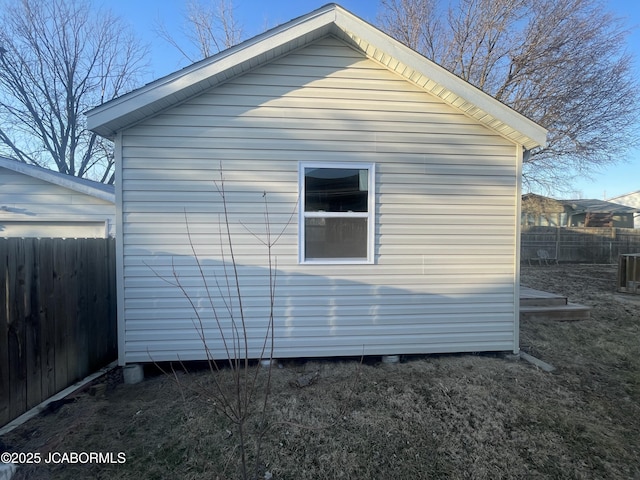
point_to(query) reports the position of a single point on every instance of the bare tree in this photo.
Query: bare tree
(58, 59)
(562, 63)
(209, 27)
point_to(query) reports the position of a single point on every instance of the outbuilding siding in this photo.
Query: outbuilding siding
(31, 207)
(630, 200)
(444, 277)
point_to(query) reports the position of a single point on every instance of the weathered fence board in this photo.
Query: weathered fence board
(629, 273)
(58, 321)
(580, 244)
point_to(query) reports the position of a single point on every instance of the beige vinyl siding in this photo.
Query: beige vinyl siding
(630, 200)
(446, 197)
(30, 207)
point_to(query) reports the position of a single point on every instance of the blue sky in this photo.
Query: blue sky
(256, 15)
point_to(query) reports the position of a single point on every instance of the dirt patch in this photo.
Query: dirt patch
(437, 417)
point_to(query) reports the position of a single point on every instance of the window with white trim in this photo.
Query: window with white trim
(336, 212)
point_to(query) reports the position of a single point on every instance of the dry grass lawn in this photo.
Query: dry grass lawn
(438, 417)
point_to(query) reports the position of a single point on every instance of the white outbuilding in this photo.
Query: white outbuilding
(631, 199)
(389, 187)
(36, 202)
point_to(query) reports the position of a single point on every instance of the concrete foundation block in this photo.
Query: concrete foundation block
(7, 470)
(266, 362)
(391, 359)
(133, 373)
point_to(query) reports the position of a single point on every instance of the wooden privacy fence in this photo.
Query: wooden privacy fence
(58, 317)
(579, 244)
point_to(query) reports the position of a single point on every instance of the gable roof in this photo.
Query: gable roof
(591, 205)
(157, 96)
(543, 204)
(80, 185)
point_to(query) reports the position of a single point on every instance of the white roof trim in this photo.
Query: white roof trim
(637, 192)
(161, 94)
(80, 185)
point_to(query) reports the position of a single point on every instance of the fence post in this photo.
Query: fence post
(4, 336)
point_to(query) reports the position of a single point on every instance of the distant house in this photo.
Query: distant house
(541, 211)
(403, 181)
(36, 202)
(599, 213)
(538, 210)
(630, 200)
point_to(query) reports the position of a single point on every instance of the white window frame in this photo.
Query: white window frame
(370, 215)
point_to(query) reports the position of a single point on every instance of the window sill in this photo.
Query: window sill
(338, 261)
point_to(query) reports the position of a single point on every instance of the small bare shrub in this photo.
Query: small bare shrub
(239, 388)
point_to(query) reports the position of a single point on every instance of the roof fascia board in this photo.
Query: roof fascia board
(400, 52)
(60, 179)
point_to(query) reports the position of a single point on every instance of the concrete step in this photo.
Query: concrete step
(564, 313)
(543, 301)
(531, 297)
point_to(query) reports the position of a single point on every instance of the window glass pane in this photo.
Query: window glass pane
(336, 189)
(335, 238)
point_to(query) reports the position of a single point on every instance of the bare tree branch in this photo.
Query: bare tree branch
(561, 63)
(58, 59)
(209, 27)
